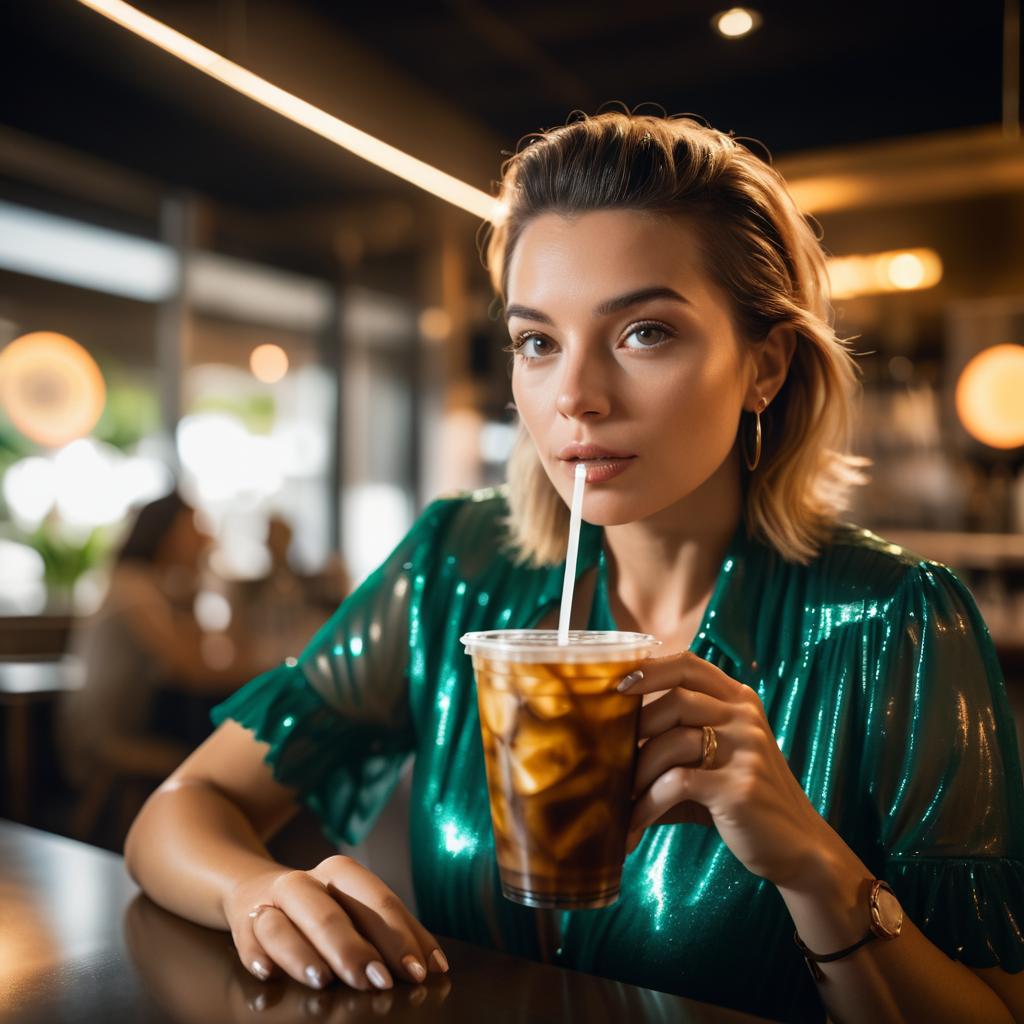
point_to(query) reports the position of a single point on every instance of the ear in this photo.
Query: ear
(771, 358)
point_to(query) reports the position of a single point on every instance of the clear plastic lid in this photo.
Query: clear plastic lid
(541, 645)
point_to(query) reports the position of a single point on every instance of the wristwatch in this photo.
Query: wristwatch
(886, 923)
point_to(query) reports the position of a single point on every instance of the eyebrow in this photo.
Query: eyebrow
(605, 308)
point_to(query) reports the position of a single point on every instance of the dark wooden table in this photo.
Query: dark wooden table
(78, 942)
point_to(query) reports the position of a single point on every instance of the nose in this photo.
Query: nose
(582, 391)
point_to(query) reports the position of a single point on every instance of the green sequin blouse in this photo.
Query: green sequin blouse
(878, 677)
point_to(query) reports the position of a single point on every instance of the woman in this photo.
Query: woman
(667, 304)
(143, 635)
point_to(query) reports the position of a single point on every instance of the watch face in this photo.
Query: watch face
(888, 913)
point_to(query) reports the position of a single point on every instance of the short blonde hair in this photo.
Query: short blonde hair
(759, 249)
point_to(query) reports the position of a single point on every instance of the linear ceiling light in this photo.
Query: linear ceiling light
(393, 160)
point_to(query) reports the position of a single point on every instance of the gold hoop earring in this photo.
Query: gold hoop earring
(752, 464)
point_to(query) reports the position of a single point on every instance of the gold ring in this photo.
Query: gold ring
(258, 909)
(710, 747)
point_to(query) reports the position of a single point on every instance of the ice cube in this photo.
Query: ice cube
(610, 707)
(550, 706)
(594, 821)
(498, 710)
(535, 680)
(543, 756)
(499, 814)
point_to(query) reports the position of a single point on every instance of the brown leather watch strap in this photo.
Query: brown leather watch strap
(813, 959)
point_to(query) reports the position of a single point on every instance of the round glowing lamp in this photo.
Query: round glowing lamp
(269, 363)
(51, 388)
(990, 396)
(736, 22)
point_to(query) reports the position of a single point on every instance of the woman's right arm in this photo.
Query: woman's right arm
(197, 848)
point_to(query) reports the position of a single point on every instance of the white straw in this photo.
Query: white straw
(569, 581)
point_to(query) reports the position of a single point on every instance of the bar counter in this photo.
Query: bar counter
(79, 942)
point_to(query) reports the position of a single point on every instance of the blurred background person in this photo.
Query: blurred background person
(140, 650)
(278, 612)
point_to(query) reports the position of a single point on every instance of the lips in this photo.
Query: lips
(578, 452)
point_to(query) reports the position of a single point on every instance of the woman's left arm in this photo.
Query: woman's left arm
(764, 816)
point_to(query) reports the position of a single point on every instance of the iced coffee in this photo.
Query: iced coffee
(560, 748)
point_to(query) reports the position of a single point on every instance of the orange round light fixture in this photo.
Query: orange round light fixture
(51, 388)
(269, 363)
(990, 396)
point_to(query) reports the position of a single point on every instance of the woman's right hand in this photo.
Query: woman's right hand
(338, 920)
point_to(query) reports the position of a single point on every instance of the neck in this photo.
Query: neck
(663, 569)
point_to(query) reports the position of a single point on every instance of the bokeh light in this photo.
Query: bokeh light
(906, 270)
(435, 323)
(51, 388)
(990, 396)
(877, 273)
(736, 22)
(269, 363)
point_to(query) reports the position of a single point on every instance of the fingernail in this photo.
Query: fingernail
(378, 974)
(439, 960)
(258, 1003)
(414, 967)
(628, 681)
(260, 969)
(315, 976)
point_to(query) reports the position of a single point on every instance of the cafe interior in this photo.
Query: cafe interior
(240, 264)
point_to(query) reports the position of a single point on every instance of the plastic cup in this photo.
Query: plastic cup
(560, 750)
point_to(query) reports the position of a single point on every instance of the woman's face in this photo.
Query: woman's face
(661, 380)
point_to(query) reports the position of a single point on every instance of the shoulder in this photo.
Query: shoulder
(468, 521)
(856, 566)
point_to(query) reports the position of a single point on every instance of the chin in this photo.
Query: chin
(614, 509)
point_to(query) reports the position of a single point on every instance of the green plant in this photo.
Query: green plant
(65, 558)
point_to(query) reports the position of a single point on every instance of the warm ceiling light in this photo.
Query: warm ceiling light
(906, 271)
(988, 396)
(736, 22)
(269, 363)
(876, 273)
(51, 388)
(393, 160)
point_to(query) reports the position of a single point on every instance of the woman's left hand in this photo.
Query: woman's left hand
(749, 794)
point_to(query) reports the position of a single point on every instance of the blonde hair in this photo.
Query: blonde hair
(759, 249)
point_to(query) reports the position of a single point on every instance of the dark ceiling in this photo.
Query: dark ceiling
(815, 75)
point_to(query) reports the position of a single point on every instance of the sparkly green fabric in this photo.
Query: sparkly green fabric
(878, 676)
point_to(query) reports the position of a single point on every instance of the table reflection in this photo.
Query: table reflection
(195, 976)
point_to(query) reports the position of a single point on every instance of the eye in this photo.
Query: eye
(529, 345)
(648, 333)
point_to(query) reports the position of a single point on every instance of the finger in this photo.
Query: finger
(253, 956)
(437, 962)
(345, 877)
(683, 745)
(689, 812)
(384, 919)
(682, 707)
(686, 669)
(289, 948)
(671, 788)
(328, 928)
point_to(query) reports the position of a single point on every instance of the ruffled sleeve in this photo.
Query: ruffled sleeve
(337, 718)
(943, 772)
